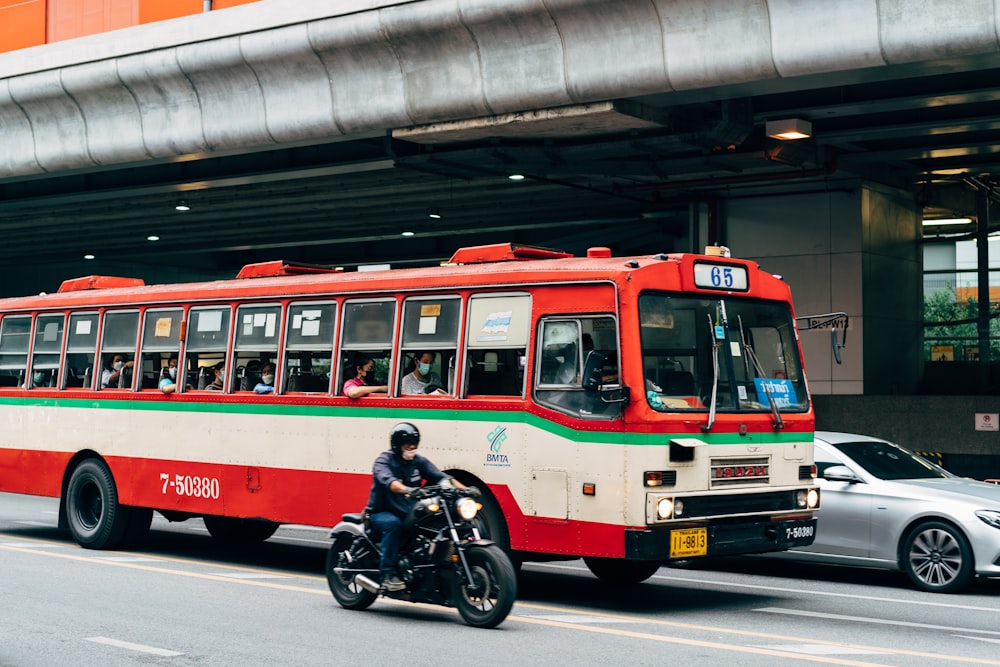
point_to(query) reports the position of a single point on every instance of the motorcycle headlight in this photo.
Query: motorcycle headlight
(989, 517)
(467, 508)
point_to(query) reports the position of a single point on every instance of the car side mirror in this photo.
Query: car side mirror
(841, 474)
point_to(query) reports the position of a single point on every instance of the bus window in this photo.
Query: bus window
(430, 330)
(309, 347)
(14, 332)
(121, 329)
(161, 339)
(46, 351)
(563, 347)
(496, 342)
(256, 344)
(367, 334)
(81, 351)
(207, 341)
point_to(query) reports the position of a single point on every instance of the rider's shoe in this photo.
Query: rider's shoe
(391, 582)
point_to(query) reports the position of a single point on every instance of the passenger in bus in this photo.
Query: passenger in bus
(219, 383)
(40, 379)
(113, 371)
(266, 384)
(168, 377)
(422, 380)
(358, 386)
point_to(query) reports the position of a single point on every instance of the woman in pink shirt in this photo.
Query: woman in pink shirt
(358, 385)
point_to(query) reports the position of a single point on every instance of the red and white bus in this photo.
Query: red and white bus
(627, 410)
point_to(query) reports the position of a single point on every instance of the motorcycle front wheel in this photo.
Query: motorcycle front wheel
(487, 599)
(349, 593)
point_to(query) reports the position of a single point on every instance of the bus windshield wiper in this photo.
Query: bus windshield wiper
(715, 374)
(779, 423)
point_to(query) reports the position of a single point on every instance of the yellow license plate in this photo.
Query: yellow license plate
(688, 542)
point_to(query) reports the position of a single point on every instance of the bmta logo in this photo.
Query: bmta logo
(496, 439)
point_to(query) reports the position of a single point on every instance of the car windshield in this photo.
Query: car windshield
(740, 352)
(888, 461)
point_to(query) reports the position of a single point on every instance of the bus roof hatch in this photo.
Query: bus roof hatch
(282, 268)
(99, 282)
(503, 252)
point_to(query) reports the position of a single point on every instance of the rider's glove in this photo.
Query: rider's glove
(474, 492)
(410, 490)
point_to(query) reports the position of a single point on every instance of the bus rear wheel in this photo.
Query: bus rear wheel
(620, 572)
(95, 517)
(228, 530)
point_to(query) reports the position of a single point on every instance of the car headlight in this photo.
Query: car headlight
(989, 517)
(467, 508)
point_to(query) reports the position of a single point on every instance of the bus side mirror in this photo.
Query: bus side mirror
(593, 371)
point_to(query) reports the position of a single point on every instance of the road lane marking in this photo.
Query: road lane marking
(43, 524)
(556, 610)
(35, 545)
(579, 618)
(801, 591)
(980, 639)
(824, 649)
(249, 575)
(872, 621)
(126, 559)
(166, 653)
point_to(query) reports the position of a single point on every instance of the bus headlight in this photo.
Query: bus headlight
(813, 498)
(807, 498)
(467, 508)
(664, 508)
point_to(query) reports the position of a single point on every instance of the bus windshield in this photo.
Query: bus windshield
(744, 349)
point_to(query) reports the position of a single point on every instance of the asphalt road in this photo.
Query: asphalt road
(184, 600)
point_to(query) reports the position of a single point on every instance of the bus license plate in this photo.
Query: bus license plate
(688, 542)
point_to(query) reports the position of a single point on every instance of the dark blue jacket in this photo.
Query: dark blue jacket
(389, 467)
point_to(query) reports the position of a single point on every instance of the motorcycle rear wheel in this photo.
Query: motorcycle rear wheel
(349, 593)
(496, 587)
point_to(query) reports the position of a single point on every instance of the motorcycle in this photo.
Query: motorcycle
(442, 559)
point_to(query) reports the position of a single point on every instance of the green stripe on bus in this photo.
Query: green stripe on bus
(408, 413)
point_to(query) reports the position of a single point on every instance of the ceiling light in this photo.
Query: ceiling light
(407, 233)
(947, 221)
(182, 206)
(152, 237)
(88, 256)
(516, 177)
(435, 213)
(788, 129)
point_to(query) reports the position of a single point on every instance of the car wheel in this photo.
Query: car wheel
(937, 558)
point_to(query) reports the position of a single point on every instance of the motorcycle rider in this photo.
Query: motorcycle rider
(397, 472)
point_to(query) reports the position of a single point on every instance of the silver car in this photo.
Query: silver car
(884, 506)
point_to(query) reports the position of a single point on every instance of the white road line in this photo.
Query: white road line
(34, 545)
(811, 593)
(873, 621)
(821, 649)
(36, 523)
(127, 559)
(134, 647)
(578, 619)
(980, 639)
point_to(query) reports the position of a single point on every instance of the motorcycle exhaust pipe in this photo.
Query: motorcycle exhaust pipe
(366, 583)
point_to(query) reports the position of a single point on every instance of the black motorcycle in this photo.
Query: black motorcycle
(442, 559)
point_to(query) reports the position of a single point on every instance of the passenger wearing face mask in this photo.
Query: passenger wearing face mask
(168, 377)
(219, 383)
(39, 379)
(422, 380)
(111, 375)
(363, 382)
(266, 384)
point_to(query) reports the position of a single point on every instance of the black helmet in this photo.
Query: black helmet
(403, 433)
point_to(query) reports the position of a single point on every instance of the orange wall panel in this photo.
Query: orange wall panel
(75, 18)
(161, 10)
(22, 24)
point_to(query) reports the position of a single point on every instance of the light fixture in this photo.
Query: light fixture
(182, 206)
(947, 221)
(152, 237)
(516, 177)
(788, 129)
(88, 256)
(435, 214)
(407, 234)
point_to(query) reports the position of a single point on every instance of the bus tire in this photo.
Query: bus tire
(95, 517)
(137, 530)
(229, 530)
(621, 572)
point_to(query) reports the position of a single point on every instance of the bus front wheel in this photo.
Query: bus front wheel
(96, 519)
(620, 572)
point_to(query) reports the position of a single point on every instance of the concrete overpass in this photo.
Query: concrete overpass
(322, 131)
